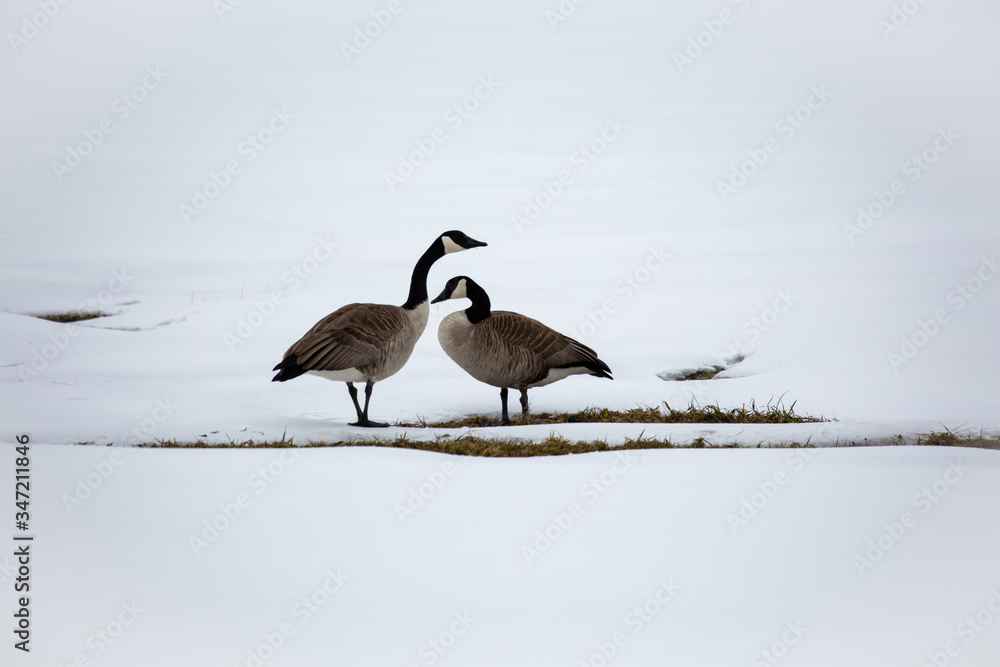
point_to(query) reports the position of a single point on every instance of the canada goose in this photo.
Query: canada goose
(507, 349)
(368, 342)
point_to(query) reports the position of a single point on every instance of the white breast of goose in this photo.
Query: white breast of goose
(455, 336)
(481, 353)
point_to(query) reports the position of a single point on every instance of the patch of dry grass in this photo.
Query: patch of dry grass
(772, 413)
(466, 445)
(948, 438)
(557, 445)
(706, 373)
(73, 316)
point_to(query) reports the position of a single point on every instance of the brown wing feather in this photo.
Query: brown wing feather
(348, 337)
(547, 347)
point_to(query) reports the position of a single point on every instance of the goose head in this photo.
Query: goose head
(456, 241)
(456, 288)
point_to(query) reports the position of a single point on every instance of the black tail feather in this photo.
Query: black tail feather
(596, 367)
(288, 369)
(600, 369)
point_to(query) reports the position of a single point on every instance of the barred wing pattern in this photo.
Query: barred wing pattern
(535, 348)
(358, 335)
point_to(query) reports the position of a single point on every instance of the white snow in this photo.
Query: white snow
(218, 547)
(215, 175)
(637, 254)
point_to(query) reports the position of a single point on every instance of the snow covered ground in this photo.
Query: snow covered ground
(253, 169)
(811, 188)
(364, 556)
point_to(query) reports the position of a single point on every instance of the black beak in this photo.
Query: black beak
(473, 243)
(443, 296)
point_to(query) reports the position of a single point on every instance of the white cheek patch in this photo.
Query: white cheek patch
(450, 246)
(459, 291)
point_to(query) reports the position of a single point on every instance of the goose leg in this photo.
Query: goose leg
(524, 402)
(364, 421)
(503, 401)
(353, 391)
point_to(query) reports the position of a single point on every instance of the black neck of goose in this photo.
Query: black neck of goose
(418, 281)
(480, 308)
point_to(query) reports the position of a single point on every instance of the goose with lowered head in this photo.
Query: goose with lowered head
(509, 350)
